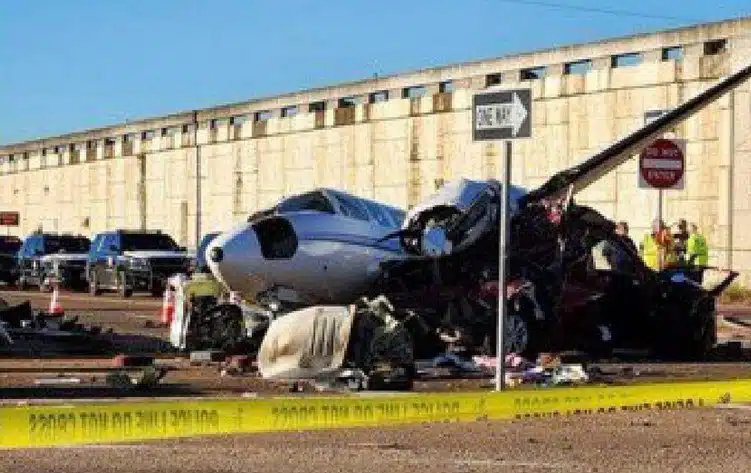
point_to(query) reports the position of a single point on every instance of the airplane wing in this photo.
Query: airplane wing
(593, 168)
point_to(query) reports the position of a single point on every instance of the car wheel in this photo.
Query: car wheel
(94, 285)
(157, 291)
(122, 287)
(702, 340)
(523, 336)
(44, 287)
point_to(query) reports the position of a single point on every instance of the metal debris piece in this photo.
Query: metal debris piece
(207, 356)
(148, 377)
(56, 381)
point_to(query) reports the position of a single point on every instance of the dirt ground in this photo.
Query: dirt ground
(707, 440)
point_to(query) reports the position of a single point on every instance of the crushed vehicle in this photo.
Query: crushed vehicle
(569, 272)
(47, 257)
(129, 260)
(9, 246)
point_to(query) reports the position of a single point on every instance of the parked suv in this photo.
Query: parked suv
(9, 246)
(46, 255)
(128, 260)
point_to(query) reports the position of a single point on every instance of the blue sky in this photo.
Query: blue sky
(76, 64)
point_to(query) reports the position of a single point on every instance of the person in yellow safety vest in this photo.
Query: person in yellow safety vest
(696, 247)
(657, 247)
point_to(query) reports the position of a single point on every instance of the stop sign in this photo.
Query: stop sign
(662, 164)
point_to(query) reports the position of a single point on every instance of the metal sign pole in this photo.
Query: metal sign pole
(500, 380)
(660, 255)
(502, 115)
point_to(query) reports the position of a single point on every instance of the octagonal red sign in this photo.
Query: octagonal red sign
(662, 164)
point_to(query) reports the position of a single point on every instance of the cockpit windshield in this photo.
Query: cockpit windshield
(314, 201)
(351, 207)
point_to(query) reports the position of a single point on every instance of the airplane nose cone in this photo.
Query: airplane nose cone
(234, 258)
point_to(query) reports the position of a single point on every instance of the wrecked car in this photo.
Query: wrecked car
(569, 275)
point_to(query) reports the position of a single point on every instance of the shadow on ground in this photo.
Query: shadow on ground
(99, 392)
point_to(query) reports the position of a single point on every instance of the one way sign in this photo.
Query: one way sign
(502, 115)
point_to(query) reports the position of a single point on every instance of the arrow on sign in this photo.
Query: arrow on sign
(502, 115)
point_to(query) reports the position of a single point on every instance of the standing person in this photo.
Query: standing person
(657, 246)
(621, 229)
(697, 252)
(680, 238)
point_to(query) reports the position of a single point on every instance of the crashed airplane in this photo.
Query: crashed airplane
(437, 268)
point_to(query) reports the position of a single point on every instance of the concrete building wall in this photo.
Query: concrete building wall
(399, 150)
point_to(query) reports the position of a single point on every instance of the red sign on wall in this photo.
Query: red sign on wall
(9, 219)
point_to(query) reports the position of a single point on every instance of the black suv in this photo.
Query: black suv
(46, 255)
(9, 246)
(129, 260)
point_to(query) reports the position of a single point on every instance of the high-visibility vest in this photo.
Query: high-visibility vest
(697, 245)
(649, 251)
(652, 251)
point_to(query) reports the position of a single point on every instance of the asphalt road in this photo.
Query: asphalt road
(708, 440)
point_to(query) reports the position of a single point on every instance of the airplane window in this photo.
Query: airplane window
(351, 207)
(311, 201)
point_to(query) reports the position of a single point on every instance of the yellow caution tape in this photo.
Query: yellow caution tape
(103, 422)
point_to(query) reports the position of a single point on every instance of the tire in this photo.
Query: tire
(122, 288)
(524, 336)
(702, 342)
(157, 291)
(598, 348)
(692, 344)
(94, 284)
(44, 287)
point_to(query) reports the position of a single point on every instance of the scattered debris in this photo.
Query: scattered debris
(363, 344)
(147, 378)
(237, 365)
(122, 361)
(56, 381)
(29, 333)
(207, 356)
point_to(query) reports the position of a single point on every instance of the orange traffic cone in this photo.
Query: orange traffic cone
(168, 307)
(55, 307)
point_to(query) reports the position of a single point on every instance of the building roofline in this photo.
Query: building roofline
(226, 109)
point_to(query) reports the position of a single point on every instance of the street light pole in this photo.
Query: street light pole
(198, 178)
